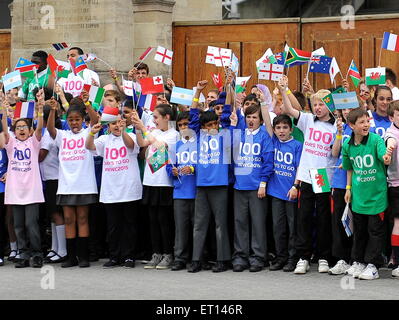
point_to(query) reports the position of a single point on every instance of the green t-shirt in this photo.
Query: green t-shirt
(369, 182)
(31, 83)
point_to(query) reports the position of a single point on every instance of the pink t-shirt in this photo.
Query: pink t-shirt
(393, 168)
(24, 185)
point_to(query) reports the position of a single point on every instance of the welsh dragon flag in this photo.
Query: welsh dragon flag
(320, 181)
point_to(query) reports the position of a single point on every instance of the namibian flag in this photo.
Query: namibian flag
(78, 66)
(24, 110)
(27, 68)
(354, 74)
(158, 159)
(60, 46)
(296, 57)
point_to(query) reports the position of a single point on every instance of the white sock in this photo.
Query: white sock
(54, 242)
(13, 246)
(61, 240)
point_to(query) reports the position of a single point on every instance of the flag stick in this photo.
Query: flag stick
(379, 59)
(55, 80)
(347, 73)
(341, 75)
(37, 78)
(307, 74)
(106, 63)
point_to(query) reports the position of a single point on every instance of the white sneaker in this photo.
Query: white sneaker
(323, 266)
(302, 267)
(340, 268)
(356, 269)
(369, 273)
(395, 273)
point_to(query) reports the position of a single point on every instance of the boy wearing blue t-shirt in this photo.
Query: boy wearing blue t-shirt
(184, 181)
(212, 182)
(283, 188)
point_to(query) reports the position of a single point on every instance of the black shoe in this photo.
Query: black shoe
(239, 268)
(220, 267)
(36, 262)
(50, 254)
(70, 262)
(278, 265)
(206, 266)
(290, 266)
(129, 263)
(195, 267)
(1, 262)
(22, 263)
(12, 257)
(84, 263)
(110, 264)
(255, 268)
(178, 265)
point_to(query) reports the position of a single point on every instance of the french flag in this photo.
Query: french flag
(390, 42)
(24, 110)
(148, 101)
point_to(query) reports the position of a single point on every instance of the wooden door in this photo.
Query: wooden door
(5, 51)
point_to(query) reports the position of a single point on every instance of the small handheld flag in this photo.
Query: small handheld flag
(210, 55)
(152, 85)
(334, 69)
(320, 181)
(390, 42)
(128, 87)
(347, 220)
(78, 66)
(158, 159)
(146, 53)
(88, 57)
(375, 76)
(345, 100)
(320, 64)
(241, 83)
(268, 71)
(60, 46)
(26, 68)
(110, 114)
(217, 80)
(354, 73)
(266, 58)
(24, 110)
(296, 57)
(226, 56)
(147, 101)
(163, 55)
(329, 102)
(12, 80)
(182, 96)
(96, 94)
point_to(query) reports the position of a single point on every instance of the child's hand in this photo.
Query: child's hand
(3, 178)
(261, 192)
(307, 88)
(340, 126)
(113, 74)
(292, 193)
(58, 90)
(40, 100)
(132, 73)
(387, 159)
(96, 128)
(282, 84)
(345, 84)
(348, 196)
(175, 172)
(122, 124)
(52, 103)
(137, 123)
(233, 119)
(170, 83)
(85, 96)
(202, 84)
(185, 170)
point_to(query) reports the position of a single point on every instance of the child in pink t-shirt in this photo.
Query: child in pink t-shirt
(24, 187)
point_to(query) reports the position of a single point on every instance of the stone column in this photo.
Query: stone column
(152, 28)
(103, 27)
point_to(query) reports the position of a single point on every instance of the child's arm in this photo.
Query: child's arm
(287, 107)
(40, 104)
(348, 193)
(89, 109)
(267, 167)
(90, 137)
(127, 140)
(200, 87)
(4, 106)
(61, 94)
(139, 125)
(266, 120)
(51, 122)
(336, 148)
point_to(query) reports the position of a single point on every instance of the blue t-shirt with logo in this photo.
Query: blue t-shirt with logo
(381, 124)
(287, 155)
(3, 167)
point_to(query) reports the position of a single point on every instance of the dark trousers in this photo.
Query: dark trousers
(211, 200)
(342, 244)
(368, 239)
(162, 228)
(26, 224)
(184, 225)
(284, 218)
(308, 202)
(98, 230)
(249, 215)
(122, 230)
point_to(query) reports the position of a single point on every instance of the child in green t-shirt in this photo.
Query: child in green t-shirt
(364, 155)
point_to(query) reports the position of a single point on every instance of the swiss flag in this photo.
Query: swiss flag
(151, 85)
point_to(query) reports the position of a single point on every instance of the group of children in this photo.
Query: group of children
(232, 172)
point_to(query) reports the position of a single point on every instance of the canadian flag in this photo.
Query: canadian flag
(164, 55)
(152, 85)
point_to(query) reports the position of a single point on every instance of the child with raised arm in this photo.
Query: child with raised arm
(23, 188)
(319, 131)
(77, 187)
(364, 155)
(120, 189)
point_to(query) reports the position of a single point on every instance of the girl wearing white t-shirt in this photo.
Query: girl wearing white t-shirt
(120, 189)
(77, 187)
(158, 187)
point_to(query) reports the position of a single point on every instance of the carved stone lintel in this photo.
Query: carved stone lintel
(153, 5)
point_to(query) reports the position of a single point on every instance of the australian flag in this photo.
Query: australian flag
(320, 64)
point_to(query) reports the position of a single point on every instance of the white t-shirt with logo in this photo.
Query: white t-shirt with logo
(120, 180)
(74, 84)
(317, 147)
(76, 174)
(160, 178)
(49, 167)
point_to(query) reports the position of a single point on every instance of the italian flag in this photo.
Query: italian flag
(375, 76)
(241, 83)
(96, 94)
(320, 181)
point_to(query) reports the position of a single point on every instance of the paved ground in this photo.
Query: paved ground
(140, 284)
